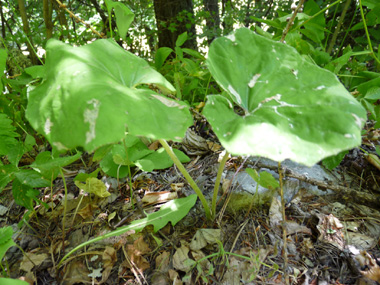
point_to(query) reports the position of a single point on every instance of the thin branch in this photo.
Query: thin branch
(79, 19)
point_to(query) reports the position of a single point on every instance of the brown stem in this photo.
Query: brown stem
(336, 32)
(26, 28)
(47, 11)
(78, 19)
(291, 21)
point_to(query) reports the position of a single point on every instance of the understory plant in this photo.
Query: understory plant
(275, 104)
(288, 108)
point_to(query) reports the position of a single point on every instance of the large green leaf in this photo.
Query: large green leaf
(172, 211)
(291, 109)
(89, 98)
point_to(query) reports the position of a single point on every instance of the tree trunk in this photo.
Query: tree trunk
(47, 10)
(212, 20)
(62, 20)
(173, 18)
(25, 27)
(227, 20)
(2, 21)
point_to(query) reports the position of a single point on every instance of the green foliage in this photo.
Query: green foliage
(6, 240)
(173, 211)
(264, 179)
(8, 137)
(44, 169)
(186, 70)
(94, 185)
(48, 165)
(285, 112)
(3, 59)
(333, 161)
(90, 96)
(124, 16)
(118, 159)
(9, 281)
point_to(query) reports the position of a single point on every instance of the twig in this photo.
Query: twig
(281, 178)
(63, 6)
(340, 23)
(291, 21)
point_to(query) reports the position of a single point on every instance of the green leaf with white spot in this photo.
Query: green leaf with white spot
(90, 98)
(289, 107)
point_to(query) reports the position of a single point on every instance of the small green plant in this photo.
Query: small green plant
(187, 70)
(6, 242)
(117, 159)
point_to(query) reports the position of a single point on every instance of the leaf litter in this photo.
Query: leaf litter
(331, 237)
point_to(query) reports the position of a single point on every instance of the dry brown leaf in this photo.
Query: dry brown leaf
(159, 197)
(203, 237)
(198, 255)
(292, 227)
(135, 253)
(162, 261)
(180, 257)
(331, 230)
(109, 258)
(174, 277)
(275, 215)
(225, 185)
(177, 186)
(213, 146)
(76, 272)
(27, 265)
(87, 211)
(154, 145)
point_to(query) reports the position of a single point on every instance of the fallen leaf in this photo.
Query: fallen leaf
(27, 265)
(135, 253)
(87, 211)
(203, 237)
(109, 259)
(174, 277)
(162, 261)
(159, 197)
(76, 272)
(331, 230)
(180, 256)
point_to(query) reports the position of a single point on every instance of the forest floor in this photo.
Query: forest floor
(332, 233)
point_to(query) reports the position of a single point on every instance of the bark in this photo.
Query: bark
(2, 21)
(26, 28)
(337, 30)
(248, 21)
(212, 20)
(47, 11)
(172, 17)
(62, 19)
